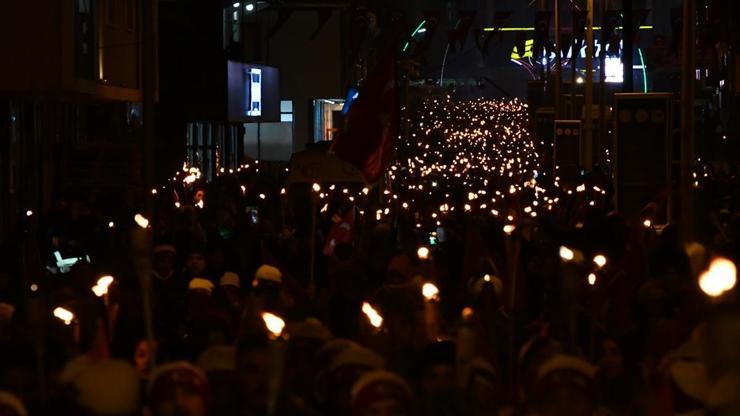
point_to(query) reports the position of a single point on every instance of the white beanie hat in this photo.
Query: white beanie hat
(199, 283)
(310, 328)
(357, 356)
(229, 279)
(269, 273)
(218, 358)
(105, 386)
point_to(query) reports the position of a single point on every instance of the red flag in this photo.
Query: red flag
(341, 231)
(370, 135)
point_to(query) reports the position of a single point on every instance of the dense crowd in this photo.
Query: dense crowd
(379, 319)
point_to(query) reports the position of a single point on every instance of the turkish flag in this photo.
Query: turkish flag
(367, 141)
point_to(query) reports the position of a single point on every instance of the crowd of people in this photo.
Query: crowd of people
(516, 322)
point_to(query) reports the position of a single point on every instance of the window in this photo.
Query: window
(85, 54)
(236, 33)
(286, 111)
(327, 118)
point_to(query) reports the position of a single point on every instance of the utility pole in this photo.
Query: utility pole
(148, 85)
(687, 117)
(628, 35)
(602, 82)
(558, 61)
(588, 137)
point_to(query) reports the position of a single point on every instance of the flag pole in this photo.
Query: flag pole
(602, 82)
(588, 139)
(687, 117)
(558, 61)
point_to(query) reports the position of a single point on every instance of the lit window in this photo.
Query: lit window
(286, 111)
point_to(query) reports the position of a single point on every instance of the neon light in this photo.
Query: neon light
(644, 72)
(418, 28)
(531, 29)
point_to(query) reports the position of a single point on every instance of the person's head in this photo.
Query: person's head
(565, 387)
(199, 292)
(344, 370)
(267, 283)
(230, 287)
(483, 385)
(611, 359)
(381, 393)
(142, 358)
(178, 389)
(252, 371)
(164, 260)
(199, 195)
(438, 369)
(103, 387)
(196, 264)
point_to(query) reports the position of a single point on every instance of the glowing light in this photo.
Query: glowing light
(29, 213)
(63, 314)
(201, 204)
(316, 187)
(430, 292)
(141, 221)
(600, 260)
(719, 278)
(423, 253)
(591, 279)
(487, 277)
(177, 205)
(647, 223)
(579, 80)
(566, 253)
(467, 313)
(262, 196)
(509, 228)
(372, 315)
(34, 287)
(154, 191)
(273, 323)
(101, 287)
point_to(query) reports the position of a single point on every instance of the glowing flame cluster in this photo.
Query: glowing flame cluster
(102, 285)
(372, 315)
(273, 323)
(64, 315)
(430, 291)
(472, 157)
(720, 277)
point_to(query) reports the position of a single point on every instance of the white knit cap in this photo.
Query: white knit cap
(10, 401)
(310, 328)
(218, 358)
(269, 273)
(104, 387)
(357, 356)
(691, 378)
(199, 283)
(229, 279)
(562, 362)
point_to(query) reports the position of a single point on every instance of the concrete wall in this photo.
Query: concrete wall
(309, 69)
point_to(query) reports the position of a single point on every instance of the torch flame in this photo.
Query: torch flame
(372, 315)
(141, 221)
(274, 323)
(64, 314)
(430, 292)
(600, 260)
(592, 279)
(566, 253)
(423, 253)
(101, 287)
(719, 278)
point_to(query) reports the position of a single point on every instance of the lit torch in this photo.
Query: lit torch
(372, 315)
(277, 346)
(431, 303)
